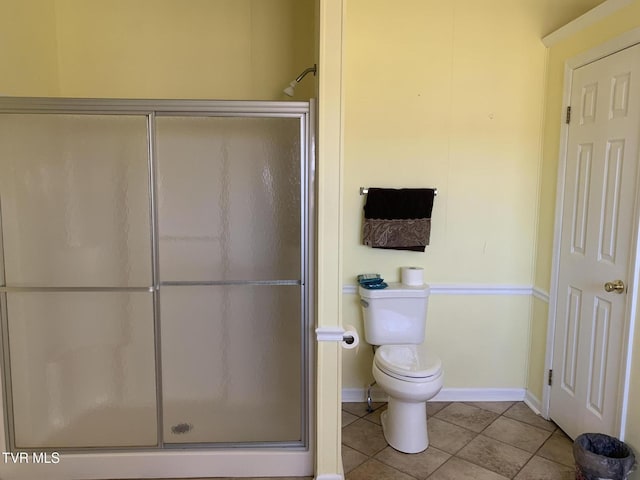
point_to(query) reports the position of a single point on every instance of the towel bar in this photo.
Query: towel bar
(364, 191)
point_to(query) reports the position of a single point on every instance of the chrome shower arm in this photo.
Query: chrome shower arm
(289, 90)
(307, 70)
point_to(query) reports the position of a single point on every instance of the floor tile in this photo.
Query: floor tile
(373, 469)
(457, 469)
(517, 434)
(542, 469)
(495, 456)
(495, 407)
(352, 458)
(467, 440)
(467, 416)
(364, 436)
(520, 411)
(435, 407)
(348, 418)
(375, 415)
(359, 408)
(558, 448)
(446, 436)
(419, 465)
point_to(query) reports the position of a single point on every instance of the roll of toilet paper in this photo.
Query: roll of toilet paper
(351, 339)
(412, 276)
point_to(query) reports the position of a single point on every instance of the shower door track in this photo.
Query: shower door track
(152, 109)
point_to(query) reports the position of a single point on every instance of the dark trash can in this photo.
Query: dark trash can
(600, 456)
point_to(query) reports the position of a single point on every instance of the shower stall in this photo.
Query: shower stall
(156, 278)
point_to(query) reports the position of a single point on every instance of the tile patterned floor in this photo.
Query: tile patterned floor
(475, 440)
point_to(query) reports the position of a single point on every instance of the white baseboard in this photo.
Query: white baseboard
(480, 395)
(360, 395)
(329, 476)
(533, 402)
(446, 395)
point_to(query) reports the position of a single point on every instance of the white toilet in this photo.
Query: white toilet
(394, 319)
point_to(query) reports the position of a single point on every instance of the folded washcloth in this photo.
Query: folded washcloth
(375, 286)
(369, 278)
(371, 281)
(398, 219)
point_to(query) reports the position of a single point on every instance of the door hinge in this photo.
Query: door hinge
(550, 377)
(568, 115)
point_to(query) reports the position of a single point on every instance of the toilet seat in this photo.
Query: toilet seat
(408, 362)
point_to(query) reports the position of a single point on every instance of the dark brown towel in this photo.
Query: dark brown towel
(398, 219)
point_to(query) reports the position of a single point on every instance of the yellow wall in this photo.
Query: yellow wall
(537, 348)
(449, 95)
(228, 49)
(221, 49)
(305, 36)
(481, 340)
(612, 26)
(28, 50)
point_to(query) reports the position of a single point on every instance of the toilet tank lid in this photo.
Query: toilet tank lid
(396, 290)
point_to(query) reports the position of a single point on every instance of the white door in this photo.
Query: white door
(596, 242)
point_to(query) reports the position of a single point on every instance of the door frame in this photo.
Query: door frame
(610, 47)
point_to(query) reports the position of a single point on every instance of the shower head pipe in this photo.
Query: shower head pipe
(292, 85)
(307, 70)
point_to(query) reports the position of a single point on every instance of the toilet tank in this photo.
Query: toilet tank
(395, 315)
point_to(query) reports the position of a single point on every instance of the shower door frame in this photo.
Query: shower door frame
(200, 459)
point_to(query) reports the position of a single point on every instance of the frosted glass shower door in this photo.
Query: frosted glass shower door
(231, 270)
(75, 275)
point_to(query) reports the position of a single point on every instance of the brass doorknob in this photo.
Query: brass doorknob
(616, 286)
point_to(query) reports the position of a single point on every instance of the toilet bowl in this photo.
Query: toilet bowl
(409, 375)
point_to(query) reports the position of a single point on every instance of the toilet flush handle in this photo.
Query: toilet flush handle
(364, 303)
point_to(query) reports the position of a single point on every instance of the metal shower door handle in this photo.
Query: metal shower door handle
(616, 286)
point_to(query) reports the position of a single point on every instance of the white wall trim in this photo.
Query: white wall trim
(540, 294)
(350, 395)
(589, 18)
(445, 395)
(480, 395)
(533, 402)
(605, 49)
(557, 229)
(329, 476)
(464, 289)
(479, 289)
(349, 289)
